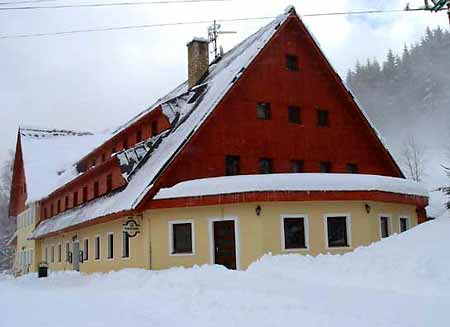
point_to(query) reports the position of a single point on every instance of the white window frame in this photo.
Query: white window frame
(306, 227)
(84, 250)
(178, 222)
(123, 246)
(348, 221)
(390, 230)
(408, 221)
(99, 247)
(236, 239)
(52, 253)
(107, 246)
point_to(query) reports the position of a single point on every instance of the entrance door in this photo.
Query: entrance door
(76, 256)
(224, 243)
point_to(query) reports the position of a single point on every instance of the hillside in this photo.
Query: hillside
(400, 281)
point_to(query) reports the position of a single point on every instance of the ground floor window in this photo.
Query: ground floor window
(86, 250)
(294, 232)
(110, 246)
(59, 252)
(404, 224)
(338, 231)
(52, 254)
(97, 248)
(68, 252)
(384, 226)
(125, 245)
(46, 254)
(181, 236)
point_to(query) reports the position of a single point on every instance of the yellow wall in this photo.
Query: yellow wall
(25, 245)
(256, 236)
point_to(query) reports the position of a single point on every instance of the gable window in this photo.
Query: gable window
(338, 231)
(86, 250)
(265, 166)
(125, 245)
(138, 136)
(404, 224)
(295, 230)
(154, 128)
(66, 202)
(263, 110)
(109, 185)
(384, 226)
(96, 189)
(59, 252)
(233, 166)
(75, 198)
(294, 115)
(297, 166)
(352, 168)
(325, 167)
(97, 248)
(292, 63)
(181, 235)
(322, 118)
(111, 246)
(85, 194)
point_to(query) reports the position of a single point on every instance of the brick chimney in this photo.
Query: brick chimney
(198, 60)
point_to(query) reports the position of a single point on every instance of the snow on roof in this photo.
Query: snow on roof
(291, 182)
(49, 155)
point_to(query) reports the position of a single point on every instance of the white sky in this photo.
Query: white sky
(98, 80)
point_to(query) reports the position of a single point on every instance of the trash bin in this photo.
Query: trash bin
(43, 270)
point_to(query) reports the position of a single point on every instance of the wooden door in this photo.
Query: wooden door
(225, 244)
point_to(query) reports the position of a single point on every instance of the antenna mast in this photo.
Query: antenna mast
(213, 35)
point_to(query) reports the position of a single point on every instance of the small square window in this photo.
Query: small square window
(233, 166)
(294, 115)
(384, 227)
(297, 166)
(263, 110)
(265, 166)
(325, 167)
(337, 232)
(404, 224)
(322, 118)
(352, 168)
(294, 233)
(181, 238)
(292, 63)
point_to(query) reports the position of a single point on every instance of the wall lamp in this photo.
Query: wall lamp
(258, 210)
(368, 208)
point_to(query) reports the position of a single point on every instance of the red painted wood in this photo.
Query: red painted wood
(18, 193)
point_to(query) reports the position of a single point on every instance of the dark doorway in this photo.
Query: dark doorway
(224, 243)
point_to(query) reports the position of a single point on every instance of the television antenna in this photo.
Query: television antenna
(434, 6)
(213, 34)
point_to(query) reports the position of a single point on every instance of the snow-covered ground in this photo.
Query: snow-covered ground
(401, 281)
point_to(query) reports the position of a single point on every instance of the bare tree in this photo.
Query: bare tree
(7, 224)
(413, 158)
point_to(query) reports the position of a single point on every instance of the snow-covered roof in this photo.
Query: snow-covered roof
(49, 155)
(291, 183)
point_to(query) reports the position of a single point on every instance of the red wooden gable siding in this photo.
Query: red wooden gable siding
(233, 128)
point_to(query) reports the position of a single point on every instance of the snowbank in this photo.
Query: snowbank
(401, 281)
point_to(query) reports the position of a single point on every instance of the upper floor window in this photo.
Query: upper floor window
(154, 128)
(322, 118)
(109, 183)
(85, 194)
(292, 63)
(294, 115)
(52, 210)
(58, 206)
(325, 167)
(75, 198)
(66, 202)
(263, 110)
(138, 136)
(233, 166)
(352, 168)
(114, 149)
(265, 166)
(297, 166)
(96, 189)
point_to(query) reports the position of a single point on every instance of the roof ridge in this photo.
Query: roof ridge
(42, 132)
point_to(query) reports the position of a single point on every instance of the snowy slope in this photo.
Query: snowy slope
(401, 281)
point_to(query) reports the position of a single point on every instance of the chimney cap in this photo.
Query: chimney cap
(198, 40)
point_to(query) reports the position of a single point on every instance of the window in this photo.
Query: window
(96, 189)
(181, 237)
(294, 233)
(322, 118)
(352, 168)
(52, 254)
(338, 231)
(58, 206)
(59, 252)
(110, 246)
(265, 166)
(154, 128)
(292, 63)
(51, 210)
(294, 115)
(384, 226)
(325, 167)
(138, 136)
(404, 224)
(45, 213)
(233, 166)
(109, 185)
(125, 245)
(86, 250)
(85, 194)
(297, 166)
(66, 202)
(46, 254)
(97, 248)
(263, 110)
(68, 252)
(75, 198)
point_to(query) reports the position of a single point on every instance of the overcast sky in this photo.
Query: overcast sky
(94, 81)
